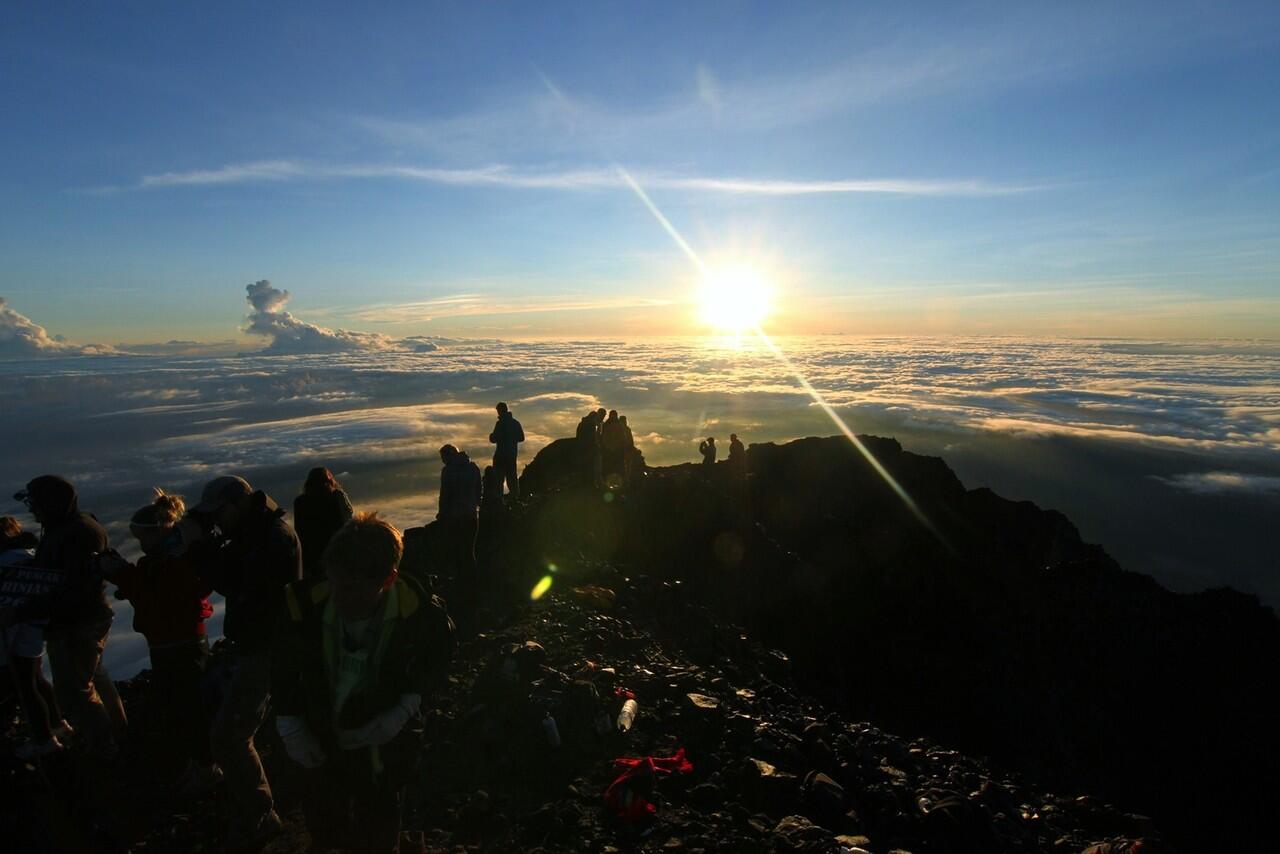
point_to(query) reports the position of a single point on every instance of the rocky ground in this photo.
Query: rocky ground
(772, 770)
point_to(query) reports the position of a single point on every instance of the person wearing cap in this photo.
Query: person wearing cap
(506, 436)
(255, 558)
(362, 652)
(79, 616)
(458, 518)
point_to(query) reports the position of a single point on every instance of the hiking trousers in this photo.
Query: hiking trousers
(176, 672)
(507, 468)
(243, 710)
(344, 809)
(82, 687)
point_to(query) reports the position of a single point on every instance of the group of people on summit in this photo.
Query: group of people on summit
(606, 448)
(321, 628)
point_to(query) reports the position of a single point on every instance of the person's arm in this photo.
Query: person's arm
(446, 492)
(288, 699)
(217, 565)
(345, 508)
(519, 433)
(287, 655)
(126, 578)
(493, 435)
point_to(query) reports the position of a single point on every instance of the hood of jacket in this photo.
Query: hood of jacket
(458, 459)
(55, 496)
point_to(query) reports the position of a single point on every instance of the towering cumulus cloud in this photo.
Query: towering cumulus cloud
(23, 338)
(292, 336)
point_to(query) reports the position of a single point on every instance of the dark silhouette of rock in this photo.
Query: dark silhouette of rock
(1007, 634)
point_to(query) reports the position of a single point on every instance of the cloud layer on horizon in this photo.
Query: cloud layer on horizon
(23, 338)
(1091, 427)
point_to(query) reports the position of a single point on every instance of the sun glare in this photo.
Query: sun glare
(734, 299)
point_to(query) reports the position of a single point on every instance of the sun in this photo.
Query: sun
(734, 299)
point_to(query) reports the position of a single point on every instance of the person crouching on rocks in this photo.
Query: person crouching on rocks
(170, 606)
(362, 652)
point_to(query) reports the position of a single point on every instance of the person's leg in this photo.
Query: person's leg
(176, 674)
(194, 721)
(24, 672)
(106, 688)
(74, 655)
(377, 811)
(326, 807)
(243, 709)
(509, 475)
(45, 689)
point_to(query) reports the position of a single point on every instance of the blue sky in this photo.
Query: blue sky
(1068, 169)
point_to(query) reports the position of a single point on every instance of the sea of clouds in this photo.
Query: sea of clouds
(1166, 453)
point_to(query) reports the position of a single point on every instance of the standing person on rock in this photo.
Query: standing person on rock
(737, 457)
(629, 463)
(459, 519)
(362, 653)
(170, 606)
(506, 436)
(587, 439)
(252, 561)
(612, 446)
(708, 450)
(79, 616)
(318, 513)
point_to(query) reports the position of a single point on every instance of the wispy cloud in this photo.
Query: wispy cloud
(236, 173)
(1223, 481)
(473, 305)
(501, 175)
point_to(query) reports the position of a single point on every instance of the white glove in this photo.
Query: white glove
(299, 742)
(382, 728)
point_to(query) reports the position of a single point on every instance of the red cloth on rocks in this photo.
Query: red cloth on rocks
(628, 795)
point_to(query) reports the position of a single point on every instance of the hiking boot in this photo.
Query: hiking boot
(242, 839)
(34, 749)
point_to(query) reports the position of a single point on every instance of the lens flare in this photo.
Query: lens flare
(789, 365)
(540, 589)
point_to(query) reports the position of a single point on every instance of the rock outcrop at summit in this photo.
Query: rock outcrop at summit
(999, 631)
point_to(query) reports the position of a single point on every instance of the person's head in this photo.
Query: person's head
(10, 531)
(49, 498)
(613, 414)
(361, 563)
(600, 413)
(153, 522)
(502, 409)
(226, 501)
(319, 481)
(448, 452)
(733, 437)
(622, 418)
(711, 440)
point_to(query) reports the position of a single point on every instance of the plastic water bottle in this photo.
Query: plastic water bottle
(627, 716)
(551, 730)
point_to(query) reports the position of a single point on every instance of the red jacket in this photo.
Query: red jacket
(170, 602)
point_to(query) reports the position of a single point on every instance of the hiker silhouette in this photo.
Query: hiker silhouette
(708, 450)
(506, 437)
(318, 513)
